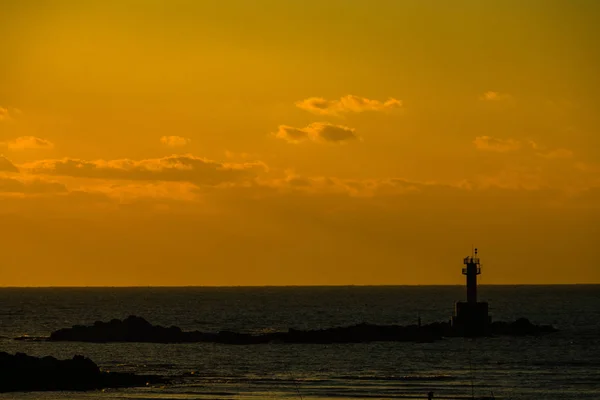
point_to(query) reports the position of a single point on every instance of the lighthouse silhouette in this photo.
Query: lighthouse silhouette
(471, 318)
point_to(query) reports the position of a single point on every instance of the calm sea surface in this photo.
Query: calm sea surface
(565, 365)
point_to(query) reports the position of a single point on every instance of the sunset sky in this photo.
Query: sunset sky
(298, 142)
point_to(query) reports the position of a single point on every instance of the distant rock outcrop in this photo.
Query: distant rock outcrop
(521, 327)
(131, 329)
(137, 329)
(20, 372)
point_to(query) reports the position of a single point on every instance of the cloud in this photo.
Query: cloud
(557, 154)
(587, 167)
(6, 165)
(529, 147)
(175, 141)
(242, 156)
(35, 186)
(487, 143)
(346, 104)
(175, 168)
(320, 185)
(321, 132)
(494, 96)
(28, 142)
(4, 115)
(9, 113)
(513, 179)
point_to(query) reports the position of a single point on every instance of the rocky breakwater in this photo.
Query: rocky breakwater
(137, 329)
(520, 327)
(21, 372)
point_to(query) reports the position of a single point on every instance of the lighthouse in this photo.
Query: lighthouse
(471, 318)
(471, 270)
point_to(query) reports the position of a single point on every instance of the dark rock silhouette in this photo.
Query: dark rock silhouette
(521, 327)
(21, 372)
(137, 329)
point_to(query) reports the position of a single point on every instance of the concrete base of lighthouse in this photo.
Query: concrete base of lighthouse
(471, 319)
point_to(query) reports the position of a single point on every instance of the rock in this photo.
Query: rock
(21, 372)
(520, 327)
(137, 329)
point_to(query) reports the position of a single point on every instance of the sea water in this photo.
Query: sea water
(563, 365)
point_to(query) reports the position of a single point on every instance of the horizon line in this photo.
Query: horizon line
(282, 286)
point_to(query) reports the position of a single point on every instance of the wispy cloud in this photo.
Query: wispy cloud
(8, 113)
(28, 142)
(494, 96)
(31, 186)
(488, 143)
(347, 104)
(557, 154)
(553, 154)
(6, 165)
(175, 141)
(176, 168)
(320, 185)
(320, 132)
(241, 156)
(3, 113)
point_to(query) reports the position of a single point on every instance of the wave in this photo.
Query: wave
(397, 378)
(553, 363)
(331, 379)
(572, 363)
(395, 396)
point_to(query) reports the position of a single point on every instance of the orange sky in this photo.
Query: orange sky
(298, 142)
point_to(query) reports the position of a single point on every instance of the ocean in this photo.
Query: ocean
(563, 365)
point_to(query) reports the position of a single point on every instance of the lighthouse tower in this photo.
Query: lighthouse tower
(471, 318)
(471, 271)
